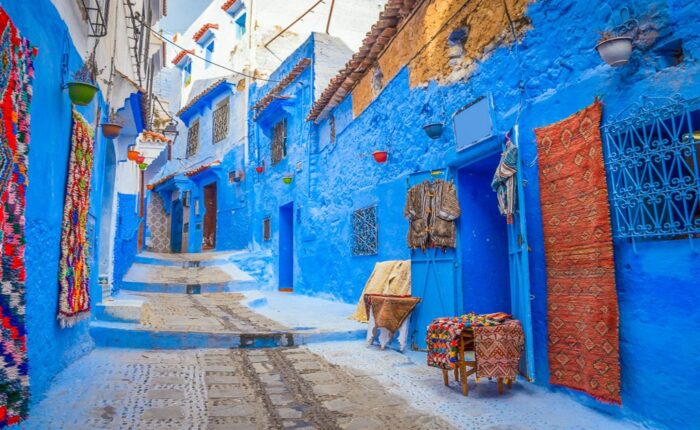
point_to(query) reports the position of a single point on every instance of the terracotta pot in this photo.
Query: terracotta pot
(150, 187)
(140, 159)
(615, 51)
(132, 155)
(260, 169)
(81, 93)
(380, 156)
(111, 131)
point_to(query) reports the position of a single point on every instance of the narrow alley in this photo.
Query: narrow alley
(349, 214)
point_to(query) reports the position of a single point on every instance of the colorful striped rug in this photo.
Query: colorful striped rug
(582, 311)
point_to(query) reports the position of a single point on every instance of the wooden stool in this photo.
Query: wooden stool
(466, 343)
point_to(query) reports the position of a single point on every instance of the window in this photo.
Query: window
(221, 120)
(240, 26)
(187, 74)
(365, 231)
(186, 199)
(279, 141)
(652, 161)
(267, 229)
(192, 139)
(208, 54)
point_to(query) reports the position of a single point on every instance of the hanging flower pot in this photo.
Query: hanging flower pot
(150, 187)
(132, 154)
(380, 156)
(615, 51)
(434, 130)
(111, 130)
(140, 159)
(81, 93)
(143, 166)
(287, 179)
(260, 169)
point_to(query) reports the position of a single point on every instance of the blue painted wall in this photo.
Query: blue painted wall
(51, 348)
(125, 237)
(562, 73)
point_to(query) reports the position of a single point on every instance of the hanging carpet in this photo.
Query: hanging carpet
(582, 311)
(16, 76)
(74, 298)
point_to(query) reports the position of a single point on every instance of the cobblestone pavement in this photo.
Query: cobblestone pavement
(209, 313)
(289, 388)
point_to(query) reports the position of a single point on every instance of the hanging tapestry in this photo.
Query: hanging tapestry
(16, 75)
(74, 298)
(582, 312)
(158, 224)
(503, 182)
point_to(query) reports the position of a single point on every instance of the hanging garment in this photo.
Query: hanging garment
(503, 182)
(431, 209)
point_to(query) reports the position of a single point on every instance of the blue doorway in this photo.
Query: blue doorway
(176, 227)
(483, 241)
(286, 248)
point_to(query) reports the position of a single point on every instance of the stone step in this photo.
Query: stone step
(119, 310)
(202, 259)
(133, 335)
(155, 278)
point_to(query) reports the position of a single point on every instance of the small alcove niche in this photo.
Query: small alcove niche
(455, 45)
(377, 80)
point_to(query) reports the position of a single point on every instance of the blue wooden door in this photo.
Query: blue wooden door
(434, 278)
(176, 227)
(286, 248)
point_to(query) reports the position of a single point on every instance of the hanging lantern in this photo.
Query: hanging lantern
(143, 166)
(140, 159)
(132, 154)
(380, 156)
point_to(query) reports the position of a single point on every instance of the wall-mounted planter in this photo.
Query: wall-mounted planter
(150, 187)
(615, 51)
(132, 154)
(287, 179)
(143, 166)
(380, 156)
(140, 159)
(434, 130)
(260, 169)
(81, 93)
(111, 130)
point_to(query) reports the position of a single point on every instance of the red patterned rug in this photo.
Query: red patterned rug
(582, 312)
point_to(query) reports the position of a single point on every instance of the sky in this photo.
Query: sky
(181, 13)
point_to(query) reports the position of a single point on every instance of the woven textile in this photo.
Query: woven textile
(74, 297)
(390, 311)
(503, 182)
(443, 334)
(16, 75)
(582, 312)
(158, 224)
(497, 349)
(388, 278)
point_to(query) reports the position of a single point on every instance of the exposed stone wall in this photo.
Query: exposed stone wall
(442, 41)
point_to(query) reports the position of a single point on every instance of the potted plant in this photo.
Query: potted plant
(143, 166)
(132, 154)
(140, 159)
(287, 179)
(83, 87)
(434, 130)
(614, 50)
(380, 156)
(113, 127)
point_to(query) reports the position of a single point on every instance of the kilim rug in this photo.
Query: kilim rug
(582, 312)
(497, 349)
(16, 75)
(74, 297)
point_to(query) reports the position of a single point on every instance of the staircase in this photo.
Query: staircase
(206, 300)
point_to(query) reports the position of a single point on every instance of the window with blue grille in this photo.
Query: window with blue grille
(652, 157)
(365, 231)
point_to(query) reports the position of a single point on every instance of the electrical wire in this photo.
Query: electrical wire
(202, 58)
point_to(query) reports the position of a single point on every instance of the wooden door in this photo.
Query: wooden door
(209, 234)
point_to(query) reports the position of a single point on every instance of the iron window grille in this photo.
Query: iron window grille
(652, 166)
(279, 141)
(365, 231)
(221, 120)
(267, 229)
(192, 139)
